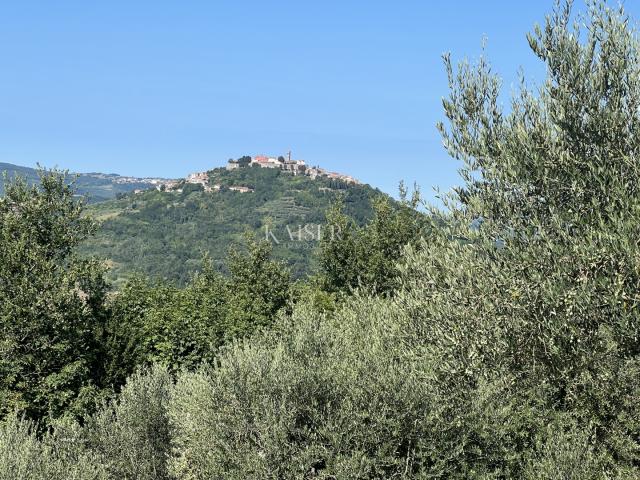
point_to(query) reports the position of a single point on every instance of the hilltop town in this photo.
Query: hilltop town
(294, 167)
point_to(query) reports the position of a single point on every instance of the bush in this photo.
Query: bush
(130, 436)
(127, 438)
(25, 457)
(319, 398)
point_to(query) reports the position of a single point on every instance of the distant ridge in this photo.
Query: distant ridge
(95, 186)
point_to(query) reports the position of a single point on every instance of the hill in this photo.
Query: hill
(164, 233)
(96, 187)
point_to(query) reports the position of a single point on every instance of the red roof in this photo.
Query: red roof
(261, 159)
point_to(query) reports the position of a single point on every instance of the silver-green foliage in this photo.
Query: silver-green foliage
(127, 438)
(130, 436)
(56, 456)
(323, 397)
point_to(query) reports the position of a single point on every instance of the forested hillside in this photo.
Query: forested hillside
(165, 233)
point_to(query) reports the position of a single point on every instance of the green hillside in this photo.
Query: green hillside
(96, 187)
(166, 233)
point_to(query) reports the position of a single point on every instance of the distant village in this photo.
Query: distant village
(120, 179)
(294, 167)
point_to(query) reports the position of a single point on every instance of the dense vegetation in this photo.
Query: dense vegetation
(68, 342)
(164, 234)
(501, 341)
(365, 257)
(51, 303)
(94, 187)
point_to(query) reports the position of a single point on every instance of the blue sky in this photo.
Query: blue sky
(166, 88)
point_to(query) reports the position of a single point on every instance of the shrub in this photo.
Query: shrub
(130, 435)
(25, 457)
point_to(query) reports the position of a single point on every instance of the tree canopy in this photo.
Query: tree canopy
(51, 302)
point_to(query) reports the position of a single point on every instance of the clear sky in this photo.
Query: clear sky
(164, 88)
